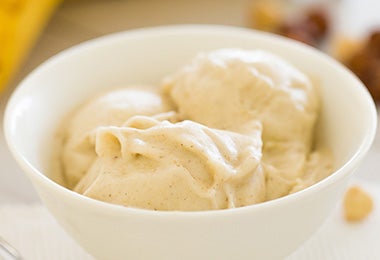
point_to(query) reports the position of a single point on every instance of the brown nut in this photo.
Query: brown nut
(358, 204)
(310, 28)
(297, 32)
(366, 65)
(374, 39)
(318, 22)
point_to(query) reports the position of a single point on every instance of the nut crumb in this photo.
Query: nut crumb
(358, 204)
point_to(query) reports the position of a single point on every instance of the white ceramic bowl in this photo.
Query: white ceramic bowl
(270, 230)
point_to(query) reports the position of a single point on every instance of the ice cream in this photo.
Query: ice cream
(184, 166)
(226, 89)
(232, 128)
(111, 108)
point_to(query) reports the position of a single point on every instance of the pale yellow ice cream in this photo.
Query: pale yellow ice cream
(183, 166)
(111, 108)
(230, 129)
(228, 88)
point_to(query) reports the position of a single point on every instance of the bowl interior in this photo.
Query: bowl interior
(347, 121)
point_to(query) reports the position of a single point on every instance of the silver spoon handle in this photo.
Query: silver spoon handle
(8, 252)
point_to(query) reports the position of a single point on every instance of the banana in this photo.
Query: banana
(21, 22)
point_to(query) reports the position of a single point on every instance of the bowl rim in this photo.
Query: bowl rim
(94, 204)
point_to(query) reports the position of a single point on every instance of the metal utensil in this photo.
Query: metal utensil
(8, 252)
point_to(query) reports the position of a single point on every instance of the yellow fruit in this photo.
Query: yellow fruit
(21, 22)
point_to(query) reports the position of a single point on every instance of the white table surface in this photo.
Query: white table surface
(80, 20)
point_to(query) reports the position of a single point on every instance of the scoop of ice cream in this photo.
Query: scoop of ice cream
(110, 108)
(232, 128)
(160, 165)
(228, 88)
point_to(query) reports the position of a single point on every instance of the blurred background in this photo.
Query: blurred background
(32, 31)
